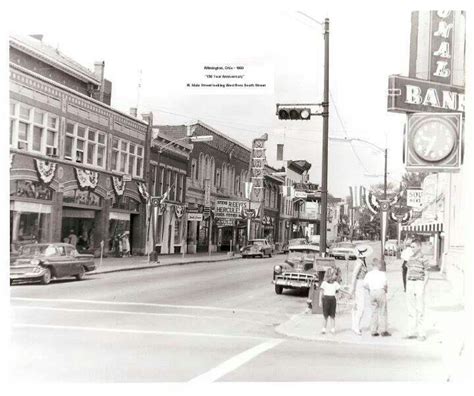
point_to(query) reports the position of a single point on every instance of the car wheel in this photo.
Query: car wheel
(269, 255)
(278, 289)
(80, 275)
(46, 277)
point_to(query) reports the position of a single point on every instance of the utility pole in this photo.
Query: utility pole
(385, 175)
(324, 174)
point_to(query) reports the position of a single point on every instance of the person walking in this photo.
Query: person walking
(376, 283)
(72, 238)
(327, 299)
(126, 244)
(417, 277)
(357, 290)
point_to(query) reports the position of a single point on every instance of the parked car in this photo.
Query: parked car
(257, 247)
(294, 242)
(342, 249)
(46, 261)
(299, 270)
(391, 247)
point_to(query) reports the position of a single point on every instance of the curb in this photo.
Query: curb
(142, 267)
(329, 338)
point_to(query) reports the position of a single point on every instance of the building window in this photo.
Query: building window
(127, 157)
(85, 145)
(181, 188)
(32, 129)
(161, 182)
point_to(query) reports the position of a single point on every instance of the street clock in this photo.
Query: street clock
(433, 141)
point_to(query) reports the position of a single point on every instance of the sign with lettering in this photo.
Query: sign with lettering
(441, 34)
(225, 222)
(194, 216)
(412, 95)
(414, 198)
(226, 209)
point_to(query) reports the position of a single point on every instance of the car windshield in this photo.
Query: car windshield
(345, 245)
(301, 255)
(38, 250)
(300, 241)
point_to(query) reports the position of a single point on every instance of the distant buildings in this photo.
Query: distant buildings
(79, 166)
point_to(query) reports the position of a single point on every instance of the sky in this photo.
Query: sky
(161, 46)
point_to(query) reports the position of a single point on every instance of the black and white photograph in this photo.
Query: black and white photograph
(236, 193)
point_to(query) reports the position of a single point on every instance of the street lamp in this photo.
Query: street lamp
(191, 139)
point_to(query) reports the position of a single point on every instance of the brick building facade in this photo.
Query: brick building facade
(75, 163)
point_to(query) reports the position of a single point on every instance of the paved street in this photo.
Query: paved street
(202, 323)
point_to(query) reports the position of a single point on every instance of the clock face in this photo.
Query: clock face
(434, 141)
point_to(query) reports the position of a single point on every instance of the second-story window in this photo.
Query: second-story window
(127, 157)
(85, 145)
(32, 129)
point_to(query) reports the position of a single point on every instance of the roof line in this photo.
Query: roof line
(95, 101)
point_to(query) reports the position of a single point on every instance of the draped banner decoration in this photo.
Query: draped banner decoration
(46, 170)
(404, 218)
(119, 185)
(372, 202)
(179, 211)
(87, 178)
(143, 190)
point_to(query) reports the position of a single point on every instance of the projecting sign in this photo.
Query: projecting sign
(411, 95)
(194, 216)
(301, 194)
(415, 198)
(226, 209)
(433, 142)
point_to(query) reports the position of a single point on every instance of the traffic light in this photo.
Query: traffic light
(291, 113)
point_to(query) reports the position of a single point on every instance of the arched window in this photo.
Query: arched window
(201, 167)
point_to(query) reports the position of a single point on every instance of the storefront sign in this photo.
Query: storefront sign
(226, 209)
(301, 194)
(207, 193)
(225, 222)
(306, 186)
(410, 95)
(194, 216)
(414, 198)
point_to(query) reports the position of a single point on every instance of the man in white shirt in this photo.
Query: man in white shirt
(376, 282)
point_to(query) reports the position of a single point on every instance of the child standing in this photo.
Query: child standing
(327, 298)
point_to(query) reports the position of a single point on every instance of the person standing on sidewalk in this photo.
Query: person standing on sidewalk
(405, 256)
(417, 277)
(327, 298)
(376, 283)
(357, 287)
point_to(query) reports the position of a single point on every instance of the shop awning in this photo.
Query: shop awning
(424, 227)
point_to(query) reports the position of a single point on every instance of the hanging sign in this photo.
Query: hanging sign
(226, 209)
(415, 198)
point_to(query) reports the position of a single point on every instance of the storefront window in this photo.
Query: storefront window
(126, 203)
(28, 227)
(30, 189)
(81, 197)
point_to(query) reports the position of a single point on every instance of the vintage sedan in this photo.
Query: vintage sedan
(294, 242)
(46, 261)
(257, 247)
(299, 269)
(341, 250)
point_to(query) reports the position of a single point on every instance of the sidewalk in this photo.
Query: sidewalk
(444, 317)
(117, 264)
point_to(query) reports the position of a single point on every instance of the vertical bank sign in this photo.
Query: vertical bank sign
(441, 37)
